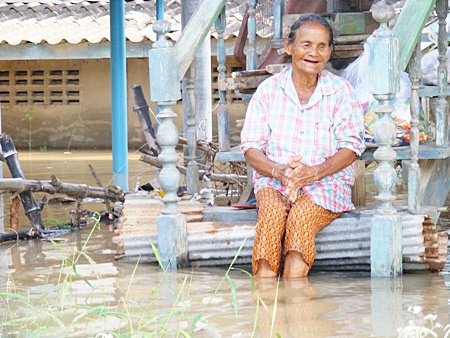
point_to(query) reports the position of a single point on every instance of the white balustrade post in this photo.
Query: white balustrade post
(165, 91)
(223, 119)
(413, 167)
(252, 58)
(442, 130)
(386, 229)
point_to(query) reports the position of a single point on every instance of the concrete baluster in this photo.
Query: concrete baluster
(386, 228)
(442, 130)
(413, 166)
(223, 119)
(252, 58)
(165, 91)
(192, 181)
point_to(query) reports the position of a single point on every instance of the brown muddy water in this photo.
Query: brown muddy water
(74, 288)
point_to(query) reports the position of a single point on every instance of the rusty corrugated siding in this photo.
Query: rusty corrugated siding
(343, 245)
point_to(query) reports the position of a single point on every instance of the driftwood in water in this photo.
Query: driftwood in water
(226, 178)
(141, 108)
(14, 214)
(99, 183)
(32, 233)
(53, 186)
(32, 210)
(17, 235)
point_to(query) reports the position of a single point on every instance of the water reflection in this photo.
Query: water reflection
(330, 306)
(322, 305)
(297, 311)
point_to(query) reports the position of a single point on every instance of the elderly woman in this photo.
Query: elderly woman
(302, 132)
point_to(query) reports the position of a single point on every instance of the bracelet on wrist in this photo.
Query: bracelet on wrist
(273, 169)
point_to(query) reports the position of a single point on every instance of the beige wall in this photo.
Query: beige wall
(78, 122)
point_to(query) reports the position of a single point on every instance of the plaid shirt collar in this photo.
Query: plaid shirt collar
(325, 86)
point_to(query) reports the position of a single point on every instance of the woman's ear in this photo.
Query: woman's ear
(287, 47)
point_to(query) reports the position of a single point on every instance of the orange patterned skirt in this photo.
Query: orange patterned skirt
(280, 225)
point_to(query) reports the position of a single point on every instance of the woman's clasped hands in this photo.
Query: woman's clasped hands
(294, 175)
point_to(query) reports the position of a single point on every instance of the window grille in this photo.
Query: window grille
(40, 87)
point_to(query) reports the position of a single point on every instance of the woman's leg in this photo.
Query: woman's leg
(304, 222)
(273, 209)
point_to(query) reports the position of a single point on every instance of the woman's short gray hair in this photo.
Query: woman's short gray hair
(309, 18)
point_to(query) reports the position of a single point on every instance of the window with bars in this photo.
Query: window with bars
(40, 87)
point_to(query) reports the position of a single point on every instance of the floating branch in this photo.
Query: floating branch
(112, 193)
(225, 178)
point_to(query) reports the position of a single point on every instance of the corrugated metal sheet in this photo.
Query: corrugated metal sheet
(75, 21)
(343, 245)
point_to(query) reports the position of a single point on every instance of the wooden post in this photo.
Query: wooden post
(442, 105)
(165, 91)
(14, 214)
(252, 58)
(195, 32)
(413, 166)
(359, 188)
(192, 181)
(386, 229)
(278, 13)
(222, 114)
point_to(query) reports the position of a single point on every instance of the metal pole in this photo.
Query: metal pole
(119, 94)
(159, 9)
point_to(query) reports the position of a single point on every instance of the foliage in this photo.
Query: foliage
(430, 329)
(25, 315)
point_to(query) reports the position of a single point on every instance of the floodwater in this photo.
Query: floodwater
(74, 288)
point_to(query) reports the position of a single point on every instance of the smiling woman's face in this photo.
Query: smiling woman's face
(310, 50)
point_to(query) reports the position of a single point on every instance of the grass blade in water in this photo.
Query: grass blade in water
(233, 294)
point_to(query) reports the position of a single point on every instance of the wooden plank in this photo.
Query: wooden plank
(276, 68)
(195, 32)
(426, 151)
(359, 189)
(431, 91)
(249, 73)
(234, 155)
(408, 28)
(435, 182)
(353, 23)
(240, 83)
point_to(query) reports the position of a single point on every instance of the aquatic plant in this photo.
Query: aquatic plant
(414, 330)
(58, 312)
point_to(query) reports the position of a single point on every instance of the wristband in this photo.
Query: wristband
(273, 169)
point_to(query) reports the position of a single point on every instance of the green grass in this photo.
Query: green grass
(55, 313)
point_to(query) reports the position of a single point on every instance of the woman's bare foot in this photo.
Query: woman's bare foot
(264, 270)
(294, 265)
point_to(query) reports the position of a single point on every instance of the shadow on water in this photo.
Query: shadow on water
(74, 288)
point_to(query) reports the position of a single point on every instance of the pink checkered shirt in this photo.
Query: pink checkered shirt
(280, 127)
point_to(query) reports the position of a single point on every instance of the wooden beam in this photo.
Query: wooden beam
(195, 32)
(240, 83)
(408, 28)
(359, 189)
(435, 183)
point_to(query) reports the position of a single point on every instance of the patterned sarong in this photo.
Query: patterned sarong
(280, 225)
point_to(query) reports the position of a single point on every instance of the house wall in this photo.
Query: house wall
(66, 104)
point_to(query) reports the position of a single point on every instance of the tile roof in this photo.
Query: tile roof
(75, 21)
